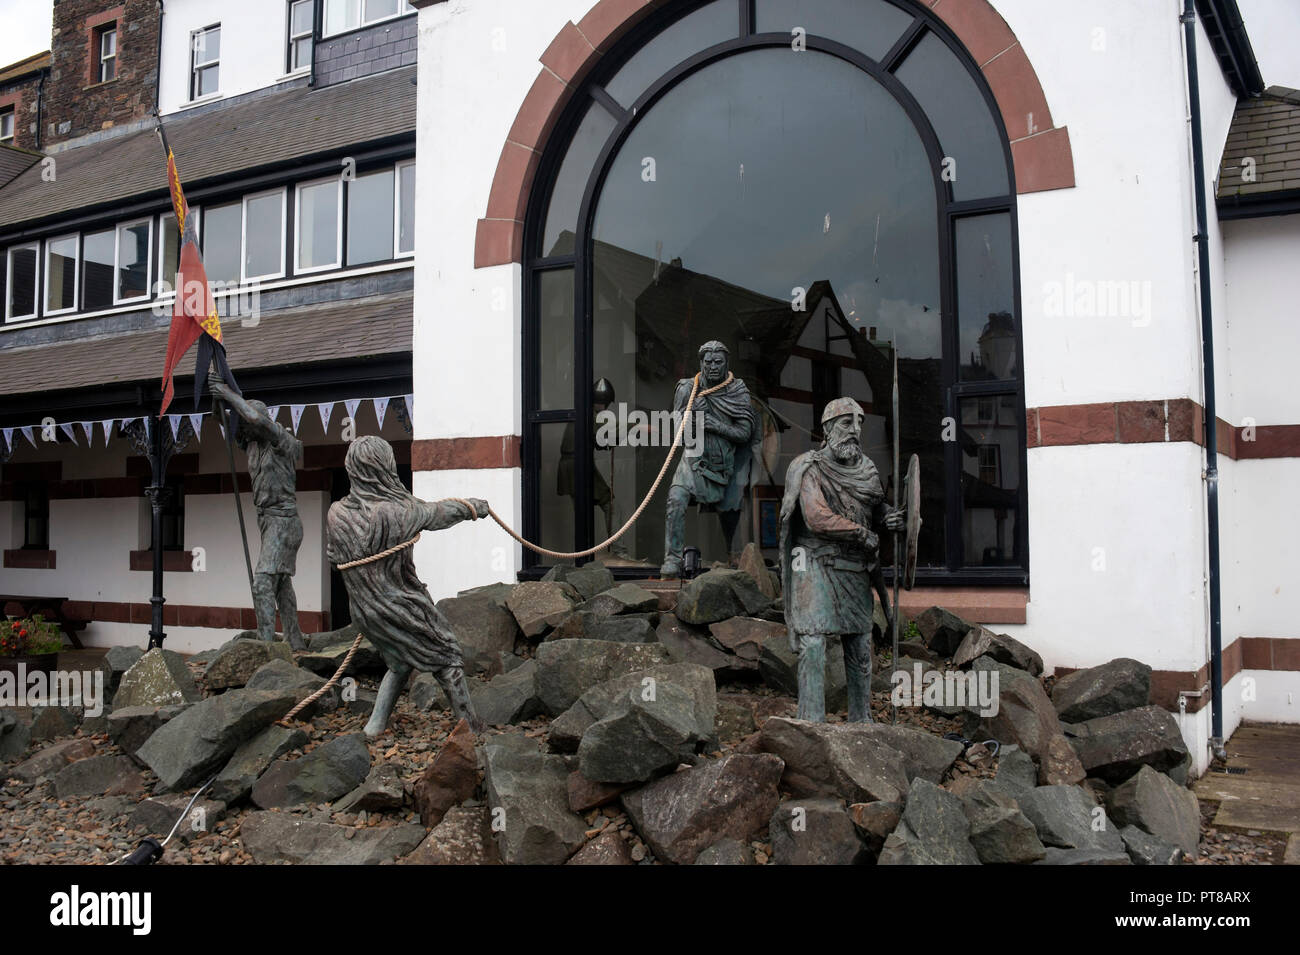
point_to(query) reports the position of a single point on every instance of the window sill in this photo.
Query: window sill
(174, 561)
(24, 559)
(201, 101)
(95, 86)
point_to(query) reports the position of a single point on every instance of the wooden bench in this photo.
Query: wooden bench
(51, 609)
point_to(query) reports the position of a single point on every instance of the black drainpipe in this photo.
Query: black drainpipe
(40, 105)
(1207, 368)
(315, 41)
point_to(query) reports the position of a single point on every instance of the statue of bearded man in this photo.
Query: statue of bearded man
(389, 603)
(833, 508)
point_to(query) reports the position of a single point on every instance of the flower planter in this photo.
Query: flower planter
(33, 662)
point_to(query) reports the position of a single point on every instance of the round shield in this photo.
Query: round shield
(912, 498)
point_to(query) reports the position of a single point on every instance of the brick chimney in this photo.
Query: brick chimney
(104, 68)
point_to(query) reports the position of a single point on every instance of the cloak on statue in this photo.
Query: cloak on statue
(718, 474)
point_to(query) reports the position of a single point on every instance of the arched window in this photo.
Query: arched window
(817, 184)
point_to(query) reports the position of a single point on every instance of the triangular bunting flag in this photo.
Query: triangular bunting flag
(67, 429)
(88, 429)
(295, 416)
(107, 425)
(196, 422)
(274, 412)
(326, 409)
(381, 409)
(27, 433)
(175, 421)
(410, 405)
(9, 439)
(352, 404)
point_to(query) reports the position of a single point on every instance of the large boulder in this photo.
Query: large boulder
(382, 791)
(1025, 717)
(874, 821)
(157, 815)
(118, 660)
(745, 636)
(483, 629)
(779, 667)
(718, 594)
(588, 580)
(238, 660)
(1069, 818)
(999, 831)
(1115, 747)
(251, 759)
(196, 743)
(1016, 771)
(1113, 687)
(726, 852)
(51, 759)
(751, 562)
(463, 837)
(1057, 856)
(1156, 804)
(605, 698)
(538, 605)
(131, 726)
(585, 624)
(284, 837)
(688, 644)
(681, 814)
(98, 776)
(509, 697)
(1145, 849)
(835, 759)
(528, 790)
(643, 736)
(451, 777)
(15, 735)
(625, 598)
(981, 641)
(942, 630)
(608, 848)
(283, 675)
(159, 678)
(568, 668)
(816, 831)
(325, 660)
(331, 770)
(933, 830)
(51, 722)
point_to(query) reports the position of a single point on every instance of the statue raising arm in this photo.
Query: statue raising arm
(258, 421)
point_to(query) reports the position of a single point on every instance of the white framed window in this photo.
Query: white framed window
(61, 274)
(300, 28)
(263, 235)
(370, 217)
(404, 202)
(98, 252)
(205, 62)
(318, 225)
(7, 125)
(222, 238)
(107, 52)
(169, 247)
(343, 15)
(20, 281)
(131, 266)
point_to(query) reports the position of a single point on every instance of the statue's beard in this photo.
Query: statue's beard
(847, 451)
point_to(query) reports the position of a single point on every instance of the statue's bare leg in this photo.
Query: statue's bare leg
(674, 532)
(729, 521)
(389, 688)
(812, 677)
(857, 671)
(264, 605)
(288, 601)
(452, 680)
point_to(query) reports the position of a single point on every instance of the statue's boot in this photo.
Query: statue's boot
(452, 681)
(264, 605)
(389, 688)
(812, 677)
(857, 672)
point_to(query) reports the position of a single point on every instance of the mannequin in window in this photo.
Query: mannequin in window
(714, 468)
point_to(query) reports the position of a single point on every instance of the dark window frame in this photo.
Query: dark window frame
(102, 62)
(36, 506)
(535, 263)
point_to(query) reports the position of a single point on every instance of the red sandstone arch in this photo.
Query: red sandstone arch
(1040, 152)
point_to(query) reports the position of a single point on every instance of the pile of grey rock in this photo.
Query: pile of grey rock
(670, 710)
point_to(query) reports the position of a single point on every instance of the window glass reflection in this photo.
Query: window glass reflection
(708, 26)
(985, 298)
(871, 26)
(989, 442)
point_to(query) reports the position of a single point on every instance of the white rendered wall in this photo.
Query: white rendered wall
(254, 39)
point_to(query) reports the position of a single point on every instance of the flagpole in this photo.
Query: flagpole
(218, 406)
(898, 496)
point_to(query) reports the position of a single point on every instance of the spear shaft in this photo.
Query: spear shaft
(897, 498)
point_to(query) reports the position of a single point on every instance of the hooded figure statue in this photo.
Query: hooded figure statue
(389, 603)
(833, 507)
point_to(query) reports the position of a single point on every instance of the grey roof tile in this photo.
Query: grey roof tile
(1266, 130)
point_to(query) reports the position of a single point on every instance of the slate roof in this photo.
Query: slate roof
(256, 132)
(25, 67)
(13, 161)
(1267, 130)
(301, 335)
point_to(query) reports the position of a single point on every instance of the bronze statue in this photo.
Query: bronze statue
(273, 454)
(832, 510)
(389, 603)
(715, 465)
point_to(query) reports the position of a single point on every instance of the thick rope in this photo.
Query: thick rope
(331, 682)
